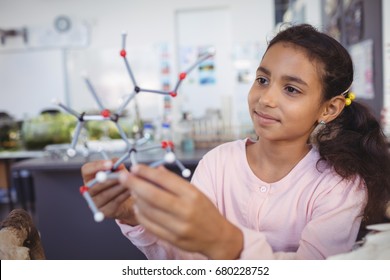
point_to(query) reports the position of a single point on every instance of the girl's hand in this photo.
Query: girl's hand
(111, 198)
(176, 211)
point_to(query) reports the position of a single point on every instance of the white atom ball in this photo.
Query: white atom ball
(98, 217)
(101, 176)
(186, 173)
(169, 157)
(71, 152)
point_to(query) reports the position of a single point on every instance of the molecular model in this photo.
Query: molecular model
(131, 147)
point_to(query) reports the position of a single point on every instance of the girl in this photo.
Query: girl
(318, 169)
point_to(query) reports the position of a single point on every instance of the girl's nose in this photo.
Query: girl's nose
(268, 97)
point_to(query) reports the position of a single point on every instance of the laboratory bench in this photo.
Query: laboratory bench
(62, 216)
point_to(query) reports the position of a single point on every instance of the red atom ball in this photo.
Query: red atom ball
(105, 113)
(164, 144)
(83, 189)
(123, 53)
(182, 76)
(173, 94)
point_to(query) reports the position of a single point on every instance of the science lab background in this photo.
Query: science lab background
(58, 41)
(66, 39)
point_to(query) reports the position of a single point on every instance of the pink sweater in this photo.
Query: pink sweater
(309, 214)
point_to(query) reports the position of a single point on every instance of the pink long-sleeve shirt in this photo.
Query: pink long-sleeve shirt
(311, 213)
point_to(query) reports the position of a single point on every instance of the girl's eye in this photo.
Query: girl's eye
(290, 89)
(262, 80)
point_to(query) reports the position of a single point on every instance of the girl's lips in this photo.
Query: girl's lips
(264, 118)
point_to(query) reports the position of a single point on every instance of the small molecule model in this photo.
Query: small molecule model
(105, 114)
(131, 148)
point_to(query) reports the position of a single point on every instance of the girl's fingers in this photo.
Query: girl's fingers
(168, 219)
(163, 178)
(113, 206)
(90, 169)
(159, 231)
(101, 198)
(101, 187)
(151, 194)
(175, 228)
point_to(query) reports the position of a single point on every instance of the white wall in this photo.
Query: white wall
(148, 24)
(313, 12)
(386, 65)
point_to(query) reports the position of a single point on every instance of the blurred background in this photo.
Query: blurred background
(47, 45)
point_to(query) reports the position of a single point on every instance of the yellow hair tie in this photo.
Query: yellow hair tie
(349, 99)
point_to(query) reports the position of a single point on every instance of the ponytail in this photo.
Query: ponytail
(354, 144)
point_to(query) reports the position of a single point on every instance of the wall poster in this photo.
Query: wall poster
(362, 57)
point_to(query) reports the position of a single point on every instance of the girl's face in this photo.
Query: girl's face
(285, 99)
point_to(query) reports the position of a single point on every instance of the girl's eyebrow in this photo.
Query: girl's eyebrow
(285, 77)
(264, 70)
(294, 79)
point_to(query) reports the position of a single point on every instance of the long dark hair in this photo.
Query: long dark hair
(353, 143)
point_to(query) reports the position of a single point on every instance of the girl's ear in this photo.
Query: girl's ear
(332, 108)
